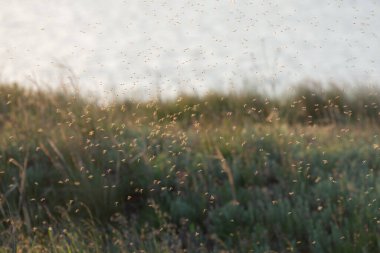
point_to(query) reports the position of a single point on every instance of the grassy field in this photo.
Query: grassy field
(219, 173)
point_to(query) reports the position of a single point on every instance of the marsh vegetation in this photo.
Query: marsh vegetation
(217, 173)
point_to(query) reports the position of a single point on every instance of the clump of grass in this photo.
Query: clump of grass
(199, 174)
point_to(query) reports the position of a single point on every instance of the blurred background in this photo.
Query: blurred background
(137, 48)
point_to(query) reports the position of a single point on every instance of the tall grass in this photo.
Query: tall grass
(234, 173)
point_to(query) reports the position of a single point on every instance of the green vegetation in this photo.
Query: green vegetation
(236, 173)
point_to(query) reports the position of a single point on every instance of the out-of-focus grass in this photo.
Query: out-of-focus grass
(219, 173)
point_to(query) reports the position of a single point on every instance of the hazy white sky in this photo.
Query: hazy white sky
(183, 45)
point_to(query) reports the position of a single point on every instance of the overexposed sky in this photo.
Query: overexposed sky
(131, 46)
